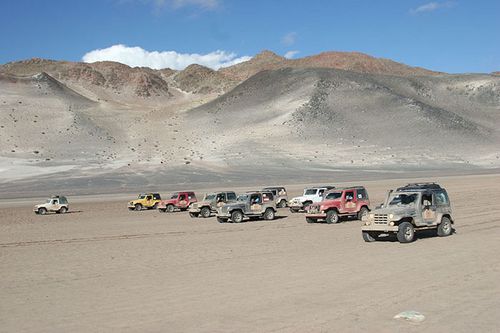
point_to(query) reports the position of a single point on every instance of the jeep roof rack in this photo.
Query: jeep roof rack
(419, 186)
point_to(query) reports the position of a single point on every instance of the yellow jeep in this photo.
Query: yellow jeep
(145, 200)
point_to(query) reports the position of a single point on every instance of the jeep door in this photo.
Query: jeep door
(183, 200)
(54, 205)
(428, 208)
(349, 201)
(255, 204)
(220, 199)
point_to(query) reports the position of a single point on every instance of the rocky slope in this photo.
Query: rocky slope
(69, 125)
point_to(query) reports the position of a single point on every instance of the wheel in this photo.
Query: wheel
(362, 212)
(205, 212)
(193, 215)
(221, 220)
(63, 210)
(369, 236)
(406, 232)
(237, 216)
(138, 207)
(269, 214)
(332, 217)
(170, 208)
(444, 228)
(282, 203)
(310, 220)
(42, 211)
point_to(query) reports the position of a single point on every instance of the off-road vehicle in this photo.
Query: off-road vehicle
(254, 205)
(177, 201)
(57, 204)
(311, 195)
(145, 201)
(210, 202)
(411, 208)
(340, 202)
(280, 195)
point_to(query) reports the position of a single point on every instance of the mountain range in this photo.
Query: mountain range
(71, 125)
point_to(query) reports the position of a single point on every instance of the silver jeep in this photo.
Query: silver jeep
(411, 208)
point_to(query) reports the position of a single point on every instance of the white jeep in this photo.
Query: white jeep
(57, 204)
(311, 195)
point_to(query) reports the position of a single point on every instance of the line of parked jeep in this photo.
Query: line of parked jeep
(413, 207)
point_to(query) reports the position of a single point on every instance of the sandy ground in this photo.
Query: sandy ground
(103, 268)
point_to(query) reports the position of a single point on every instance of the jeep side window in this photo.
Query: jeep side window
(426, 199)
(361, 193)
(254, 199)
(320, 192)
(441, 199)
(349, 196)
(182, 197)
(156, 196)
(231, 196)
(54, 202)
(220, 197)
(149, 197)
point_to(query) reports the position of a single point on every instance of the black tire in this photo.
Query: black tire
(444, 228)
(42, 211)
(205, 212)
(221, 220)
(369, 236)
(138, 207)
(269, 214)
(237, 216)
(282, 203)
(406, 232)
(332, 217)
(170, 208)
(362, 212)
(310, 220)
(193, 215)
(62, 210)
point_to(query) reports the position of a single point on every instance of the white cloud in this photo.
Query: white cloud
(289, 38)
(291, 54)
(137, 57)
(431, 6)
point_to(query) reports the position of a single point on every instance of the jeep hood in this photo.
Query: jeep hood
(398, 211)
(234, 205)
(330, 203)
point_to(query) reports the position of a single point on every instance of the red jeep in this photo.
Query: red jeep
(347, 201)
(177, 201)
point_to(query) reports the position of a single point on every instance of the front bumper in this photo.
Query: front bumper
(380, 228)
(318, 216)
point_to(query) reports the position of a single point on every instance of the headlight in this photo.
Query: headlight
(391, 223)
(391, 216)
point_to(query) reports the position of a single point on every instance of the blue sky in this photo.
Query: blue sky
(452, 36)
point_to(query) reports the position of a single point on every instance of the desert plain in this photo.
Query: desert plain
(104, 268)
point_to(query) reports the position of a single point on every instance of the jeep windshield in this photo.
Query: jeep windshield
(333, 196)
(142, 196)
(310, 191)
(402, 199)
(209, 197)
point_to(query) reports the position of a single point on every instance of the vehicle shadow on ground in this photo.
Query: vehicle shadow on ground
(421, 235)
